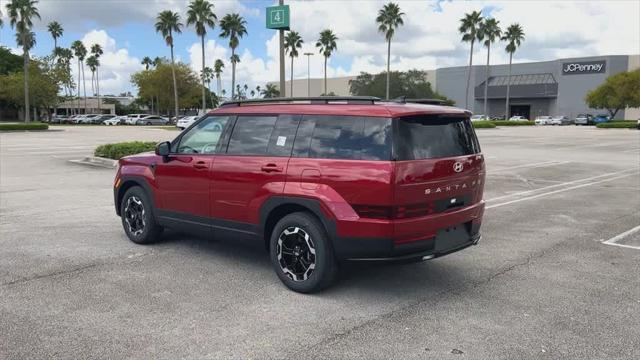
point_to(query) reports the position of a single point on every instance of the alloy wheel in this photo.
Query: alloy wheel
(296, 253)
(134, 215)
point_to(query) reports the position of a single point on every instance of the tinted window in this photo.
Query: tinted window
(204, 137)
(427, 137)
(251, 135)
(283, 135)
(344, 137)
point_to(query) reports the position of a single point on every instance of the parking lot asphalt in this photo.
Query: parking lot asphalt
(557, 274)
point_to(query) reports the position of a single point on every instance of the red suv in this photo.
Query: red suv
(317, 180)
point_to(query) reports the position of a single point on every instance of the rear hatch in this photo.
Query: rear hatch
(438, 170)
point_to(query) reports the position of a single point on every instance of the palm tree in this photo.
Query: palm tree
(21, 13)
(470, 30)
(200, 14)
(207, 75)
(92, 63)
(167, 24)
(80, 52)
(253, 93)
(56, 30)
(292, 42)
(490, 32)
(146, 61)
(233, 27)
(514, 36)
(96, 50)
(218, 65)
(270, 91)
(157, 61)
(389, 19)
(327, 45)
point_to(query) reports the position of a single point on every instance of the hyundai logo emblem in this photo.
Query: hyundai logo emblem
(458, 167)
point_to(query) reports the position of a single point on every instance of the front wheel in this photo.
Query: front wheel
(137, 217)
(301, 253)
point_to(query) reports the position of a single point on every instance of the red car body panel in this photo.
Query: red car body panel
(421, 197)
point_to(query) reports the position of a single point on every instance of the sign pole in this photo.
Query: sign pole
(308, 54)
(282, 86)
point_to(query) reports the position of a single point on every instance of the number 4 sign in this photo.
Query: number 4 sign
(278, 17)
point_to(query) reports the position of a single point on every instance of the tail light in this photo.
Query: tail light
(394, 212)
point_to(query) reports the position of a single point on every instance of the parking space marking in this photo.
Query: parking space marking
(559, 185)
(613, 241)
(534, 165)
(558, 191)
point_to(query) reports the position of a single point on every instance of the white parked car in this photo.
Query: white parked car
(85, 119)
(133, 118)
(480, 118)
(113, 121)
(543, 120)
(186, 121)
(518, 118)
(559, 120)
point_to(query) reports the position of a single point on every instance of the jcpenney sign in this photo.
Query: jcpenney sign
(584, 67)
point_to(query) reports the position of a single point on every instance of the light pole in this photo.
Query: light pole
(308, 54)
(281, 35)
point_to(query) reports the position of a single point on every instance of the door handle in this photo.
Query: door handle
(271, 168)
(200, 165)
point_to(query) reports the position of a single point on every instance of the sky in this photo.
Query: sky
(429, 38)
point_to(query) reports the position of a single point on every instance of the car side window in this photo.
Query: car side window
(251, 135)
(283, 135)
(204, 137)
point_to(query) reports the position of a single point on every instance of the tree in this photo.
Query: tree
(619, 91)
(9, 63)
(389, 19)
(168, 23)
(470, 30)
(44, 86)
(207, 74)
(514, 36)
(80, 52)
(490, 32)
(56, 30)
(62, 57)
(96, 50)
(200, 14)
(218, 65)
(146, 61)
(412, 84)
(21, 13)
(92, 63)
(270, 91)
(327, 45)
(292, 42)
(233, 27)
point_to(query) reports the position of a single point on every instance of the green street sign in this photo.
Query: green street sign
(278, 17)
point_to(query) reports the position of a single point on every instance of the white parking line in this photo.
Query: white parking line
(534, 165)
(559, 185)
(613, 241)
(557, 191)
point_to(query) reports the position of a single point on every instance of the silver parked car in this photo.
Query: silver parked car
(152, 120)
(559, 120)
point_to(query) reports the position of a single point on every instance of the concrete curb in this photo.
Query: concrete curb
(97, 161)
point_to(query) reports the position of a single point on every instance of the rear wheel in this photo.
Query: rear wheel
(148, 122)
(301, 253)
(137, 216)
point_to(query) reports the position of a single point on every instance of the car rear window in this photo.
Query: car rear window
(431, 136)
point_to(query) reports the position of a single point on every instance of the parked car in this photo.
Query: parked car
(86, 119)
(133, 118)
(498, 118)
(559, 120)
(480, 118)
(601, 118)
(101, 118)
(518, 118)
(58, 119)
(298, 178)
(152, 120)
(584, 119)
(186, 121)
(638, 125)
(543, 120)
(70, 120)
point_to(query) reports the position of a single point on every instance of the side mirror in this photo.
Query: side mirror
(163, 149)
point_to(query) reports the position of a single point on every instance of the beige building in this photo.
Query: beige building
(91, 107)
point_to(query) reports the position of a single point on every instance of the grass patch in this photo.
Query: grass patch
(23, 126)
(624, 124)
(118, 150)
(483, 124)
(166, 127)
(512, 123)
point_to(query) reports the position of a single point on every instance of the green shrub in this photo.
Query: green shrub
(483, 124)
(512, 123)
(617, 125)
(118, 150)
(23, 126)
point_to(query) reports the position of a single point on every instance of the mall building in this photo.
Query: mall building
(556, 87)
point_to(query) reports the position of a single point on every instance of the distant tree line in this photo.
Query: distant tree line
(413, 84)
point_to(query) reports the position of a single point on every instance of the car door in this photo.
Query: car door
(184, 178)
(253, 168)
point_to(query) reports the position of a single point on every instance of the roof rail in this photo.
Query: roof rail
(426, 101)
(305, 100)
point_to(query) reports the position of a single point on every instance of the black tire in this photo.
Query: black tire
(149, 123)
(143, 228)
(325, 264)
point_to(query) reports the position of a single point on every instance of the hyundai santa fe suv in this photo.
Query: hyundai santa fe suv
(318, 181)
